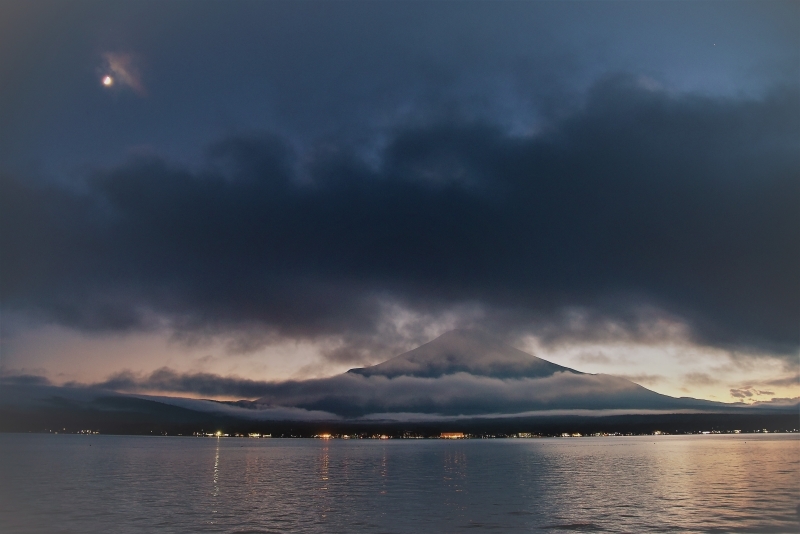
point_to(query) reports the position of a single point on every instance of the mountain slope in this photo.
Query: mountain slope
(464, 351)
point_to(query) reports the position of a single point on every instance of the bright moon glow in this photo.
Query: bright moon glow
(108, 81)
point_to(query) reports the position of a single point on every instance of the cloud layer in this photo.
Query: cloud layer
(354, 395)
(643, 206)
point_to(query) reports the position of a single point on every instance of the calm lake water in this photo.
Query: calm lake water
(81, 484)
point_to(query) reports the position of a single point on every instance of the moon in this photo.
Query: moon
(108, 81)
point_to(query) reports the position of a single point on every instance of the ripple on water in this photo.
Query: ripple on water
(187, 485)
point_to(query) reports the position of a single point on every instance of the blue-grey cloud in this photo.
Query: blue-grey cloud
(641, 200)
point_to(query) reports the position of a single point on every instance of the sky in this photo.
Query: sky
(286, 190)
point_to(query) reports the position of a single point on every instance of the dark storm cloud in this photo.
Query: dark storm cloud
(350, 69)
(683, 205)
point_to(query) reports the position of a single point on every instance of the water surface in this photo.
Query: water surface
(126, 484)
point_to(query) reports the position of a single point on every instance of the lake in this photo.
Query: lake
(129, 484)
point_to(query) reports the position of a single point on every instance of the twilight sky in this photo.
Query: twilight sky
(275, 190)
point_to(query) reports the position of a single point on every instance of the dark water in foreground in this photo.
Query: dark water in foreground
(66, 483)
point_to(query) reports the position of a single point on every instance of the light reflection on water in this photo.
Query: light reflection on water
(65, 483)
(215, 483)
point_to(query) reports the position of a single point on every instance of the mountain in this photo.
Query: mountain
(460, 375)
(468, 373)
(464, 351)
